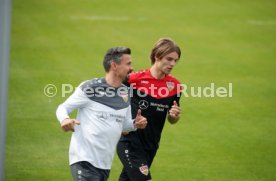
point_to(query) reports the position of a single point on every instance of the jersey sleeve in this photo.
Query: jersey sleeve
(77, 100)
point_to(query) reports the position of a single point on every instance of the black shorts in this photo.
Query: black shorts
(136, 162)
(84, 171)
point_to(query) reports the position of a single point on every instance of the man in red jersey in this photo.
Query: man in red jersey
(157, 94)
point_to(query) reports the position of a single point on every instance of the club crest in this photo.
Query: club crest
(144, 169)
(124, 95)
(170, 85)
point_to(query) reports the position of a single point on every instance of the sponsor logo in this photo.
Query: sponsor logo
(144, 82)
(143, 104)
(102, 115)
(119, 120)
(160, 109)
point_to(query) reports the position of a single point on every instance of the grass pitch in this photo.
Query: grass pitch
(217, 139)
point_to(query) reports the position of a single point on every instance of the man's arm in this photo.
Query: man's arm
(76, 100)
(69, 124)
(140, 121)
(130, 124)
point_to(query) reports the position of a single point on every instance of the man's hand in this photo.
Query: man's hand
(140, 121)
(69, 124)
(174, 113)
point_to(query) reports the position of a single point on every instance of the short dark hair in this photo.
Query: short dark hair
(114, 54)
(163, 47)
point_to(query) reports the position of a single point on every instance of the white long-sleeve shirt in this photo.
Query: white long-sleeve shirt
(103, 114)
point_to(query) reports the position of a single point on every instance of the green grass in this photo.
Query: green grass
(217, 139)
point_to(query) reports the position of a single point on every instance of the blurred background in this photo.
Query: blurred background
(217, 139)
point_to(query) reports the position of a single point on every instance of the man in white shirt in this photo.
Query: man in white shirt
(104, 112)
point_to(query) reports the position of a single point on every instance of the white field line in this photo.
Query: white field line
(101, 18)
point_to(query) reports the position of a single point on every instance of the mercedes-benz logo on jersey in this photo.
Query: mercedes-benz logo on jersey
(102, 115)
(143, 104)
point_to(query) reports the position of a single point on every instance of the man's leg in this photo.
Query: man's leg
(134, 162)
(124, 176)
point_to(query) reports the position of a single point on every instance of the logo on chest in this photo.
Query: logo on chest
(143, 104)
(102, 116)
(124, 96)
(170, 85)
